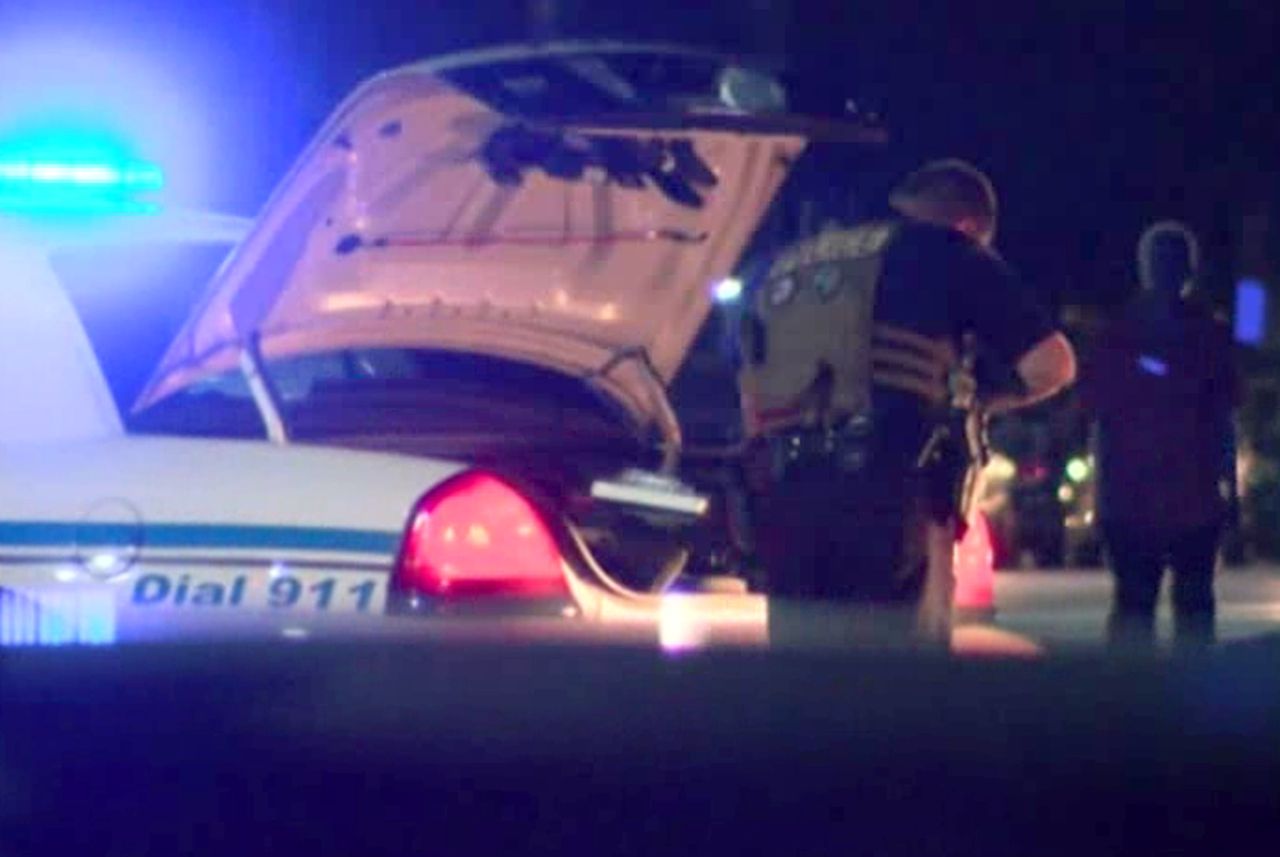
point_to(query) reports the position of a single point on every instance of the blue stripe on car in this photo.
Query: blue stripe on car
(61, 533)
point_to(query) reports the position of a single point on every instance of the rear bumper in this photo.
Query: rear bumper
(39, 613)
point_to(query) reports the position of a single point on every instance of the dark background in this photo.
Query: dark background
(1093, 117)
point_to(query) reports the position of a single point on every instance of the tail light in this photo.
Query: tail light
(477, 535)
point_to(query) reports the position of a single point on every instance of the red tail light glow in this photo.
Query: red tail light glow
(477, 535)
(974, 566)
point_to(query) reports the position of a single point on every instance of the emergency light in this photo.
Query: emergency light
(49, 185)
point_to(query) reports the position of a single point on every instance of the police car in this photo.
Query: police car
(430, 378)
(505, 258)
(108, 534)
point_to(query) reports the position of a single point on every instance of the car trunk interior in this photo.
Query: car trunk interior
(550, 433)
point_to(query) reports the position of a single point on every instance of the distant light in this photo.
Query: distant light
(728, 290)
(1251, 312)
(295, 633)
(1066, 493)
(1078, 469)
(1001, 468)
(1153, 365)
(1034, 471)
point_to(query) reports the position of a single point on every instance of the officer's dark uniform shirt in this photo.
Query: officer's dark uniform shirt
(861, 533)
(939, 283)
(1162, 383)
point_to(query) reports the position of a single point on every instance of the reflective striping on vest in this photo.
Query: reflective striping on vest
(940, 350)
(935, 393)
(908, 361)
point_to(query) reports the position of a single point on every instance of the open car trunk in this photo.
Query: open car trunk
(503, 259)
(547, 431)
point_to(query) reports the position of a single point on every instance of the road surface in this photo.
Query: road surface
(1058, 608)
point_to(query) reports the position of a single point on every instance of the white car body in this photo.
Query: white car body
(123, 525)
(106, 536)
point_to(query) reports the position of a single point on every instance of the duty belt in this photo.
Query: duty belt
(846, 448)
(901, 360)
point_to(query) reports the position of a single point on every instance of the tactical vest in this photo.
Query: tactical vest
(813, 348)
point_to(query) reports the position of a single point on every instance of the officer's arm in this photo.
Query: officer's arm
(1048, 367)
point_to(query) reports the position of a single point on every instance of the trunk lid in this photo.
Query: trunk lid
(459, 205)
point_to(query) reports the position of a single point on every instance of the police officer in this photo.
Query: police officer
(1161, 384)
(854, 368)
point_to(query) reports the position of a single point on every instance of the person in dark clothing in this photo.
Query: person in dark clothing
(1161, 386)
(853, 377)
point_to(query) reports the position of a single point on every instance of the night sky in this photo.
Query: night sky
(1092, 117)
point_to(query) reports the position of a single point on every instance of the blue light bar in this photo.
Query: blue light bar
(33, 185)
(131, 176)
